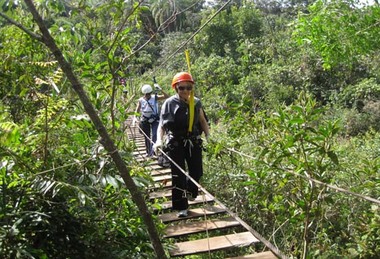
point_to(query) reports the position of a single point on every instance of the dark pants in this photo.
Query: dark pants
(148, 129)
(182, 154)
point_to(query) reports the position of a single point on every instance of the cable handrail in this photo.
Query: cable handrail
(339, 189)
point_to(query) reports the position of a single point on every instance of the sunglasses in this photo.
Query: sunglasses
(188, 88)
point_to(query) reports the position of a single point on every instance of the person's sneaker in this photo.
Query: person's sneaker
(182, 214)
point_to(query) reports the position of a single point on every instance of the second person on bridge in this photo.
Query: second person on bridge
(148, 107)
(182, 121)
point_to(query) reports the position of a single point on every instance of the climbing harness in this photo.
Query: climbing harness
(186, 142)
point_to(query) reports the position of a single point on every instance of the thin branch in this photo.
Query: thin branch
(123, 25)
(26, 30)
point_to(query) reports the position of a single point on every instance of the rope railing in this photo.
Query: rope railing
(339, 189)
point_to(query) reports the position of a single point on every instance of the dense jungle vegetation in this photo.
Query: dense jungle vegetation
(291, 89)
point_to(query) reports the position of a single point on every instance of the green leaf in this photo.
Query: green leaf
(111, 180)
(333, 157)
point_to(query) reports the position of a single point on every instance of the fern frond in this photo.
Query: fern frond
(45, 63)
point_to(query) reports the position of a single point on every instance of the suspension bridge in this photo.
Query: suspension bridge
(210, 226)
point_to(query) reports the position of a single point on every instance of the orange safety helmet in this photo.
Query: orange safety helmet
(182, 77)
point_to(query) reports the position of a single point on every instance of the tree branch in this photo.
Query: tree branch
(20, 26)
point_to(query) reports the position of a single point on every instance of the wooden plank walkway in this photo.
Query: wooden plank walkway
(209, 226)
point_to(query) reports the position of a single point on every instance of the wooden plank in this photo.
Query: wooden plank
(193, 213)
(141, 158)
(167, 193)
(263, 255)
(138, 153)
(199, 200)
(161, 194)
(213, 244)
(140, 150)
(155, 166)
(200, 226)
(161, 171)
(160, 178)
(159, 185)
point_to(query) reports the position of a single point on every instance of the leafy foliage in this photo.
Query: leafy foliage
(284, 150)
(339, 31)
(282, 108)
(61, 197)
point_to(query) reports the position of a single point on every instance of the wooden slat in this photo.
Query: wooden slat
(213, 244)
(263, 255)
(161, 171)
(200, 199)
(167, 193)
(160, 178)
(141, 158)
(138, 153)
(159, 185)
(161, 194)
(200, 226)
(155, 166)
(193, 213)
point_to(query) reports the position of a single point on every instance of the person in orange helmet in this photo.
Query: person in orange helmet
(183, 144)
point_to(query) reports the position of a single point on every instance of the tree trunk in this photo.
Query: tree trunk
(105, 138)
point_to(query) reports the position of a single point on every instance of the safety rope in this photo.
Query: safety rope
(204, 203)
